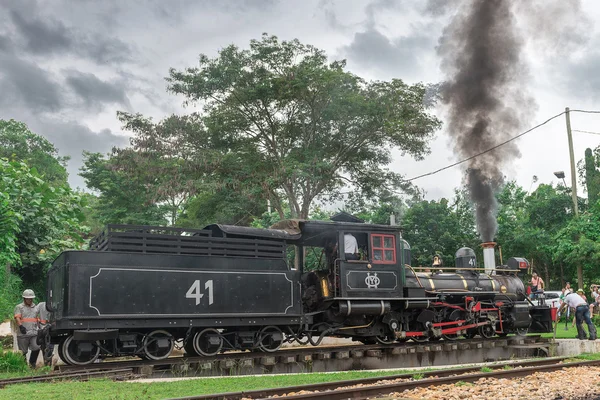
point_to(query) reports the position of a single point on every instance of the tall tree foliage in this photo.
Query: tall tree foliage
(282, 123)
(122, 199)
(438, 227)
(18, 143)
(590, 175)
(38, 219)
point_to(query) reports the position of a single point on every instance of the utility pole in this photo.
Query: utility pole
(573, 185)
(573, 175)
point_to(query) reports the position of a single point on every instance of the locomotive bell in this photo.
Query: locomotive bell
(465, 258)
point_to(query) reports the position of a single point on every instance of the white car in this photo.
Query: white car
(553, 298)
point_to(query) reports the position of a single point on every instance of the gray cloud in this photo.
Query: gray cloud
(72, 138)
(439, 8)
(46, 35)
(94, 91)
(376, 6)
(24, 82)
(373, 50)
(5, 44)
(581, 77)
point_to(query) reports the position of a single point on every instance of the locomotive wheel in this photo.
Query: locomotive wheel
(206, 345)
(522, 331)
(385, 339)
(420, 339)
(471, 333)
(158, 345)
(270, 339)
(487, 331)
(454, 316)
(75, 354)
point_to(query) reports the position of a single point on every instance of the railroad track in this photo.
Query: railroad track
(116, 374)
(282, 353)
(377, 386)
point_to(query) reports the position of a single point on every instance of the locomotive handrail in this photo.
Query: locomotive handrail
(415, 274)
(461, 269)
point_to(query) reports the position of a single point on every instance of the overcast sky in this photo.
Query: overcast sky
(67, 67)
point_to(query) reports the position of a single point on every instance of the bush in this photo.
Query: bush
(596, 320)
(10, 293)
(12, 362)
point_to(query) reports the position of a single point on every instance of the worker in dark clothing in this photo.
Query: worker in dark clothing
(47, 348)
(582, 312)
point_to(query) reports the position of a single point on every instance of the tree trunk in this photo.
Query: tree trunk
(546, 276)
(562, 276)
(580, 276)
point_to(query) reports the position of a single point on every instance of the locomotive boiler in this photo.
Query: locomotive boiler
(138, 290)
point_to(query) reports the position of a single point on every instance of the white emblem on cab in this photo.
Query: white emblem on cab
(372, 281)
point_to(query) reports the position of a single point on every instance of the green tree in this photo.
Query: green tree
(122, 199)
(220, 206)
(9, 256)
(160, 158)
(18, 143)
(590, 175)
(43, 220)
(281, 122)
(435, 227)
(578, 245)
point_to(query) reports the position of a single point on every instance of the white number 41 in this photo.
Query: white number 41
(194, 291)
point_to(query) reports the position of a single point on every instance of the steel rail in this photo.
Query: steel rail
(324, 390)
(116, 373)
(311, 350)
(378, 390)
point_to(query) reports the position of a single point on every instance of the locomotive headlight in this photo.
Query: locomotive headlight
(502, 289)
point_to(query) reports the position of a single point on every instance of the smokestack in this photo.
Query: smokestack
(489, 257)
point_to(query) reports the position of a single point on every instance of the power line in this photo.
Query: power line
(486, 151)
(501, 144)
(593, 133)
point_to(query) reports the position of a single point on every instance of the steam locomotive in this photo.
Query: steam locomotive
(139, 290)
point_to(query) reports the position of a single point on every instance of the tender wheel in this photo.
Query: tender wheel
(270, 339)
(188, 346)
(158, 345)
(208, 342)
(79, 352)
(487, 331)
(61, 353)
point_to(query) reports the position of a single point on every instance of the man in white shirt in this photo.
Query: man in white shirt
(351, 247)
(582, 312)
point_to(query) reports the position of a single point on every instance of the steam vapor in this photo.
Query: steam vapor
(481, 57)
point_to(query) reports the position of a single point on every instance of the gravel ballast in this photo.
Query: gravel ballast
(568, 384)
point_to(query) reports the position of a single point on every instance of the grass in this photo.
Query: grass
(571, 333)
(486, 369)
(107, 389)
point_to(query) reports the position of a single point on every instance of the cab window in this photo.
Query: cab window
(383, 248)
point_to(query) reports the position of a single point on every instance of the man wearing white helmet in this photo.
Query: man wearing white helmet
(26, 315)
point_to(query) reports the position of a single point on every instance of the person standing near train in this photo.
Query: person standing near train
(582, 312)
(26, 316)
(537, 284)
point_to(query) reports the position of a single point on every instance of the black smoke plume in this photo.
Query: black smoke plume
(481, 54)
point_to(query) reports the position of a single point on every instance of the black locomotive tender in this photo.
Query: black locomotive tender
(139, 290)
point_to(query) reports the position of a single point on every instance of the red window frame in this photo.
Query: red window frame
(383, 249)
